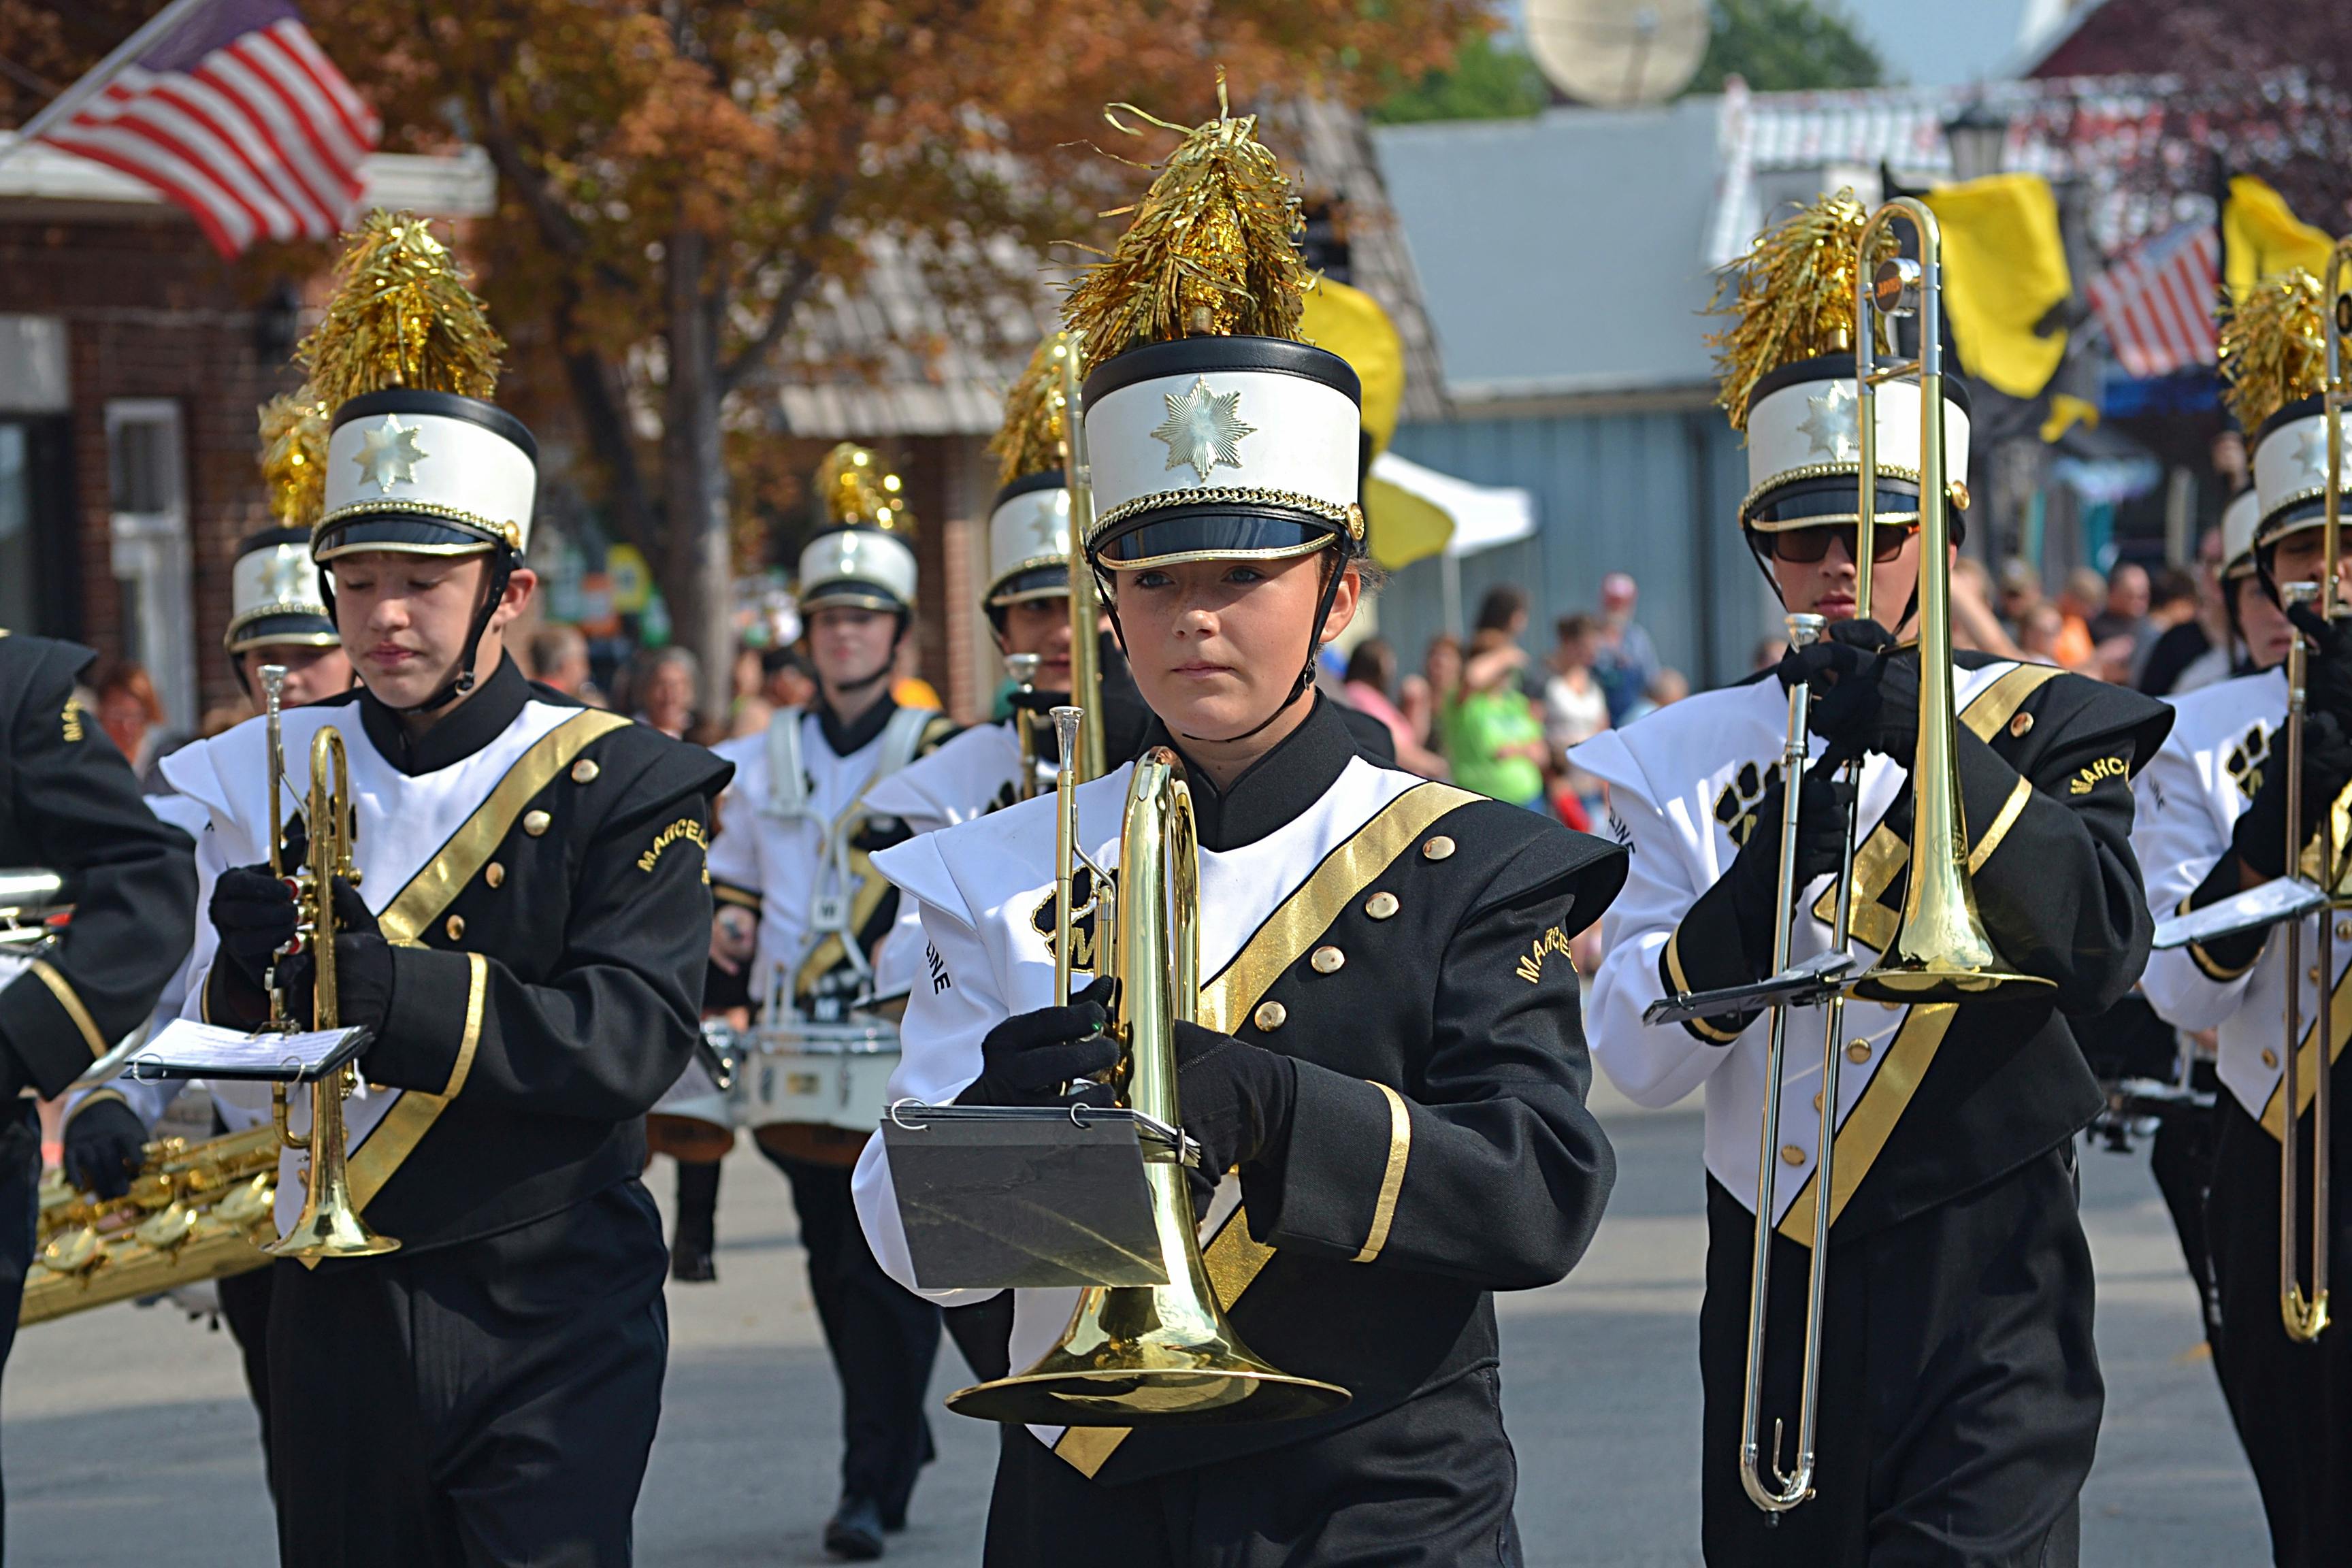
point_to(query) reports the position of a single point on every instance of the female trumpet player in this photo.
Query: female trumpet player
(1391, 1058)
(2214, 821)
(1960, 1395)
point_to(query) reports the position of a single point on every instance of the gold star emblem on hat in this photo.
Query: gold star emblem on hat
(1832, 426)
(388, 454)
(2311, 451)
(1202, 430)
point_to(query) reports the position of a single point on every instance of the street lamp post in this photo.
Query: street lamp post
(1977, 137)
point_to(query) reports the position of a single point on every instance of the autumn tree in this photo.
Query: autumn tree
(677, 177)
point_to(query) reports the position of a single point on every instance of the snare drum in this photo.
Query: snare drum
(830, 1075)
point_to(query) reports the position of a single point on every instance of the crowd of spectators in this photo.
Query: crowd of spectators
(1493, 718)
(2162, 630)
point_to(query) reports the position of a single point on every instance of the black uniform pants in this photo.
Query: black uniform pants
(1428, 1484)
(488, 1402)
(1959, 1393)
(2292, 1402)
(883, 1338)
(20, 1197)
(245, 1306)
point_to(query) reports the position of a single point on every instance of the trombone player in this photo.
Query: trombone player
(2216, 822)
(1958, 1396)
(1392, 1063)
(524, 936)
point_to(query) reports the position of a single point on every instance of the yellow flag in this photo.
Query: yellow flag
(2004, 268)
(1400, 527)
(2260, 236)
(1350, 324)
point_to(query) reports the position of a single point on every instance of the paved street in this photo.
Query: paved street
(1601, 1390)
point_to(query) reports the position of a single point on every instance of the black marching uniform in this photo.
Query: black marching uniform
(70, 803)
(489, 1391)
(1960, 1395)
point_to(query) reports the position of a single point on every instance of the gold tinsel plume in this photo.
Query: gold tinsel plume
(401, 316)
(2274, 348)
(1790, 298)
(855, 488)
(1030, 439)
(294, 457)
(1212, 249)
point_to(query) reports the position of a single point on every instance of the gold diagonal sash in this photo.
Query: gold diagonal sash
(1862, 1136)
(1233, 1257)
(1885, 854)
(396, 1135)
(2307, 1057)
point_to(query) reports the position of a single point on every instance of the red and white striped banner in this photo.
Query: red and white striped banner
(2157, 302)
(230, 109)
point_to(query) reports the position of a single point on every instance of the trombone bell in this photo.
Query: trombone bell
(1144, 1354)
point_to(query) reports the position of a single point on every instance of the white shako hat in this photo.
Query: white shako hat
(1223, 447)
(1804, 447)
(2291, 469)
(1029, 540)
(2237, 519)
(427, 473)
(865, 557)
(274, 597)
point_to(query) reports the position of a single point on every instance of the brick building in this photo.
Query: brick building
(132, 361)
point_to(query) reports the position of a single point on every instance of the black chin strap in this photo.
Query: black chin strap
(1299, 689)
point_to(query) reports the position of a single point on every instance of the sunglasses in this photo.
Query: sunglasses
(1805, 546)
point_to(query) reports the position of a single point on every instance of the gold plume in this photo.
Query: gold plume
(401, 316)
(1030, 439)
(1791, 297)
(855, 488)
(1212, 249)
(2273, 347)
(294, 457)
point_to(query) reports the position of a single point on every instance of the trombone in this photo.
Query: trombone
(1023, 667)
(2306, 1315)
(1144, 1354)
(1085, 608)
(329, 1224)
(1941, 952)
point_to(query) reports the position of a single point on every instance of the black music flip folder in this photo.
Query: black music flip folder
(1022, 1197)
(1816, 979)
(2272, 903)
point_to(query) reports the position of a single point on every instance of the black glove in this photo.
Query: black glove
(1027, 1058)
(105, 1144)
(2327, 675)
(1234, 1100)
(1755, 874)
(362, 967)
(2259, 837)
(1866, 694)
(253, 913)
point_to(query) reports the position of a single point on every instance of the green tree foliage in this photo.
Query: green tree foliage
(1785, 46)
(1487, 80)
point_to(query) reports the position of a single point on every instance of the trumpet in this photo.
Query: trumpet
(329, 1224)
(2305, 1313)
(1023, 667)
(1144, 1354)
(1941, 952)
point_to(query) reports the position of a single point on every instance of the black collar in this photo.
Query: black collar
(1277, 789)
(461, 731)
(846, 739)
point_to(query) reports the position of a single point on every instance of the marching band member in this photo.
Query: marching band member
(69, 803)
(791, 852)
(277, 616)
(1960, 1396)
(1390, 1053)
(2215, 823)
(526, 944)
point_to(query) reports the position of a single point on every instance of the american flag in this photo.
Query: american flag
(2156, 301)
(230, 109)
